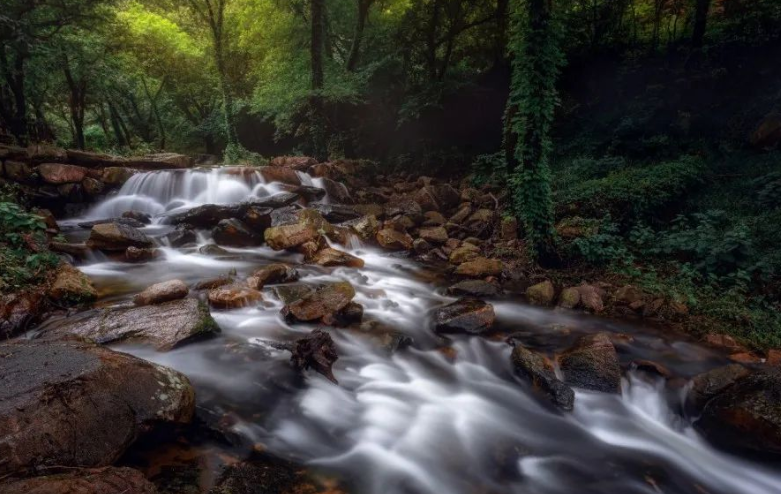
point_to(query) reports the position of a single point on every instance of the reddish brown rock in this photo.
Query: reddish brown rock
(468, 315)
(72, 288)
(272, 275)
(117, 237)
(323, 302)
(280, 174)
(290, 236)
(480, 268)
(234, 296)
(540, 372)
(110, 480)
(394, 240)
(434, 234)
(235, 233)
(162, 292)
(331, 257)
(56, 174)
(298, 163)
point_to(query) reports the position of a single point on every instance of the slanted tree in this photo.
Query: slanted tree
(536, 62)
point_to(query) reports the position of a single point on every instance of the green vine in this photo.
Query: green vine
(537, 61)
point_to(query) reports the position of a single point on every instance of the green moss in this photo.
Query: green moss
(206, 323)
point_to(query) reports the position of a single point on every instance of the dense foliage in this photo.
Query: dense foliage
(20, 233)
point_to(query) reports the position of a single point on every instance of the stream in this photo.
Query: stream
(432, 416)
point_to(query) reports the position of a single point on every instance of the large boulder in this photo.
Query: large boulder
(320, 304)
(467, 315)
(475, 288)
(336, 213)
(331, 258)
(72, 288)
(391, 239)
(235, 233)
(164, 326)
(592, 364)
(276, 201)
(366, 227)
(436, 235)
(234, 296)
(480, 268)
(258, 218)
(160, 161)
(159, 293)
(747, 414)
(57, 174)
(288, 237)
(206, 216)
(299, 163)
(75, 404)
(271, 275)
(280, 174)
(437, 198)
(116, 176)
(20, 310)
(181, 236)
(337, 191)
(464, 253)
(110, 480)
(540, 372)
(117, 238)
(709, 384)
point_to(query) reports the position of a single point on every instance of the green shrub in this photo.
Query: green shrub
(768, 190)
(631, 193)
(236, 154)
(488, 168)
(21, 265)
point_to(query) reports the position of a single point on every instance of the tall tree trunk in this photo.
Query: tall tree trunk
(317, 110)
(14, 76)
(431, 39)
(360, 26)
(701, 9)
(116, 123)
(537, 61)
(657, 23)
(156, 110)
(502, 24)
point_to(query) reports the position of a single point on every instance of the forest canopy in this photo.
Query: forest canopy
(198, 75)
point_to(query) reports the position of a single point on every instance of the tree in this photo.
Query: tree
(537, 61)
(212, 13)
(701, 8)
(316, 106)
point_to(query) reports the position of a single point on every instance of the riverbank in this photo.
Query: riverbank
(330, 316)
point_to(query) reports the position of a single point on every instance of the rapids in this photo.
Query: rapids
(435, 417)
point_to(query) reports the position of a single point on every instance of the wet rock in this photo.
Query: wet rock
(337, 192)
(72, 288)
(464, 253)
(652, 368)
(539, 370)
(119, 221)
(628, 295)
(434, 234)
(19, 310)
(78, 251)
(394, 240)
(206, 216)
(467, 315)
(316, 351)
(433, 218)
(234, 296)
(387, 339)
(285, 216)
(257, 218)
(592, 364)
(313, 218)
(93, 188)
(407, 207)
(235, 233)
(280, 174)
(213, 250)
(117, 175)
(74, 404)
(365, 227)
(276, 201)
(480, 268)
(461, 215)
(134, 254)
(110, 480)
(331, 257)
(114, 237)
(310, 193)
(709, 384)
(213, 283)
(336, 213)
(164, 326)
(323, 302)
(71, 193)
(160, 161)
(56, 174)
(142, 218)
(292, 293)
(290, 236)
(475, 288)
(182, 236)
(569, 298)
(541, 293)
(20, 172)
(746, 415)
(162, 292)
(272, 275)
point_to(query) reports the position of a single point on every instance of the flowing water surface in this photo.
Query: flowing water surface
(414, 413)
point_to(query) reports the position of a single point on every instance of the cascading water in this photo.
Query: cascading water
(422, 419)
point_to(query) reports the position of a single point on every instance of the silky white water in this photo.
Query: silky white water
(421, 419)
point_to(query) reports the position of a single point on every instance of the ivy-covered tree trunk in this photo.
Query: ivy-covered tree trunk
(537, 61)
(701, 9)
(316, 106)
